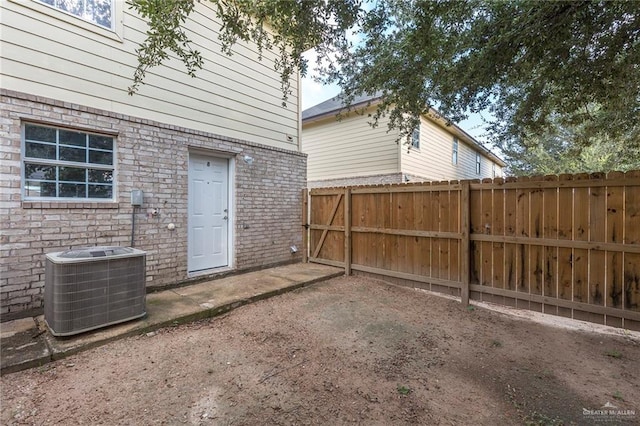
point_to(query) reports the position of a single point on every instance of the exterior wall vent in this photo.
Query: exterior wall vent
(93, 287)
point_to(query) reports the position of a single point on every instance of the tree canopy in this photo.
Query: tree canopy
(535, 65)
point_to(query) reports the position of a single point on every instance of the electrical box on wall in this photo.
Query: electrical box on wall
(136, 197)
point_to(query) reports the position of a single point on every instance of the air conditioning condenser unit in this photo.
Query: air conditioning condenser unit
(93, 287)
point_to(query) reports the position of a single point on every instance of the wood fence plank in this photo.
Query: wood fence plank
(383, 220)
(523, 250)
(370, 242)
(465, 244)
(425, 244)
(357, 207)
(486, 249)
(498, 228)
(536, 255)
(597, 277)
(406, 220)
(347, 231)
(550, 231)
(305, 225)
(550, 210)
(597, 212)
(632, 209)
(444, 246)
(615, 211)
(566, 256)
(454, 226)
(632, 260)
(615, 234)
(614, 294)
(597, 206)
(510, 250)
(366, 242)
(412, 266)
(435, 242)
(475, 225)
(632, 282)
(580, 232)
(317, 212)
(395, 249)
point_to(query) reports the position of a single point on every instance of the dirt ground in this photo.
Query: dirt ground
(350, 350)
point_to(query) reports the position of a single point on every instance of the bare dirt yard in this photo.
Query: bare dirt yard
(350, 350)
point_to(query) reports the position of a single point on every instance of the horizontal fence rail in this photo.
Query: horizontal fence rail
(568, 245)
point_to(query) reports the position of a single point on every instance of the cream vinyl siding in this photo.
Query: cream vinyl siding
(235, 96)
(433, 161)
(348, 148)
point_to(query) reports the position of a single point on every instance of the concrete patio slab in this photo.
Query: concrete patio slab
(27, 342)
(22, 346)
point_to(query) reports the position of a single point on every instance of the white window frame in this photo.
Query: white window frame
(115, 33)
(478, 163)
(57, 163)
(82, 16)
(454, 153)
(493, 169)
(415, 138)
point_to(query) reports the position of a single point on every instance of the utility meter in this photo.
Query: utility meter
(136, 197)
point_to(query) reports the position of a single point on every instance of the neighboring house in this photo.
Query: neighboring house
(217, 157)
(348, 151)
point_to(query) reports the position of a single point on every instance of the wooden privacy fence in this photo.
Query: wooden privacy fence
(567, 245)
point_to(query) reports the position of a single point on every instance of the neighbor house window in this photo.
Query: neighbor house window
(415, 138)
(97, 11)
(454, 155)
(67, 164)
(493, 165)
(477, 163)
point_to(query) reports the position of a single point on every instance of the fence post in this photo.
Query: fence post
(465, 205)
(305, 225)
(347, 231)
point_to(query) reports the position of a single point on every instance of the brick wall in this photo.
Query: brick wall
(152, 157)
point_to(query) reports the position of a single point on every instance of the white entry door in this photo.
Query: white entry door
(208, 213)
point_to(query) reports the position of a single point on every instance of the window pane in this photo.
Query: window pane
(99, 11)
(72, 6)
(39, 133)
(39, 189)
(100, 157)
(73, 154)
(100, 191)
(39, 171)
(101, 142)
(72, 190)
(71, 174)
(415, 138)
(100, 176)
(73, 138)
(40, 150)
(52, 180)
